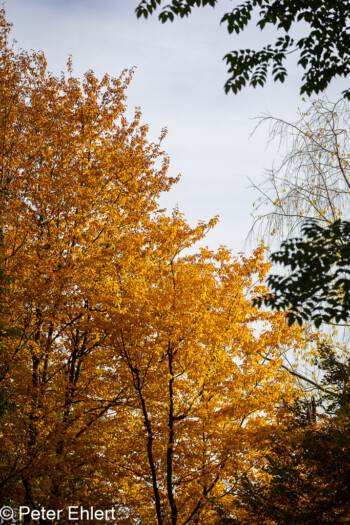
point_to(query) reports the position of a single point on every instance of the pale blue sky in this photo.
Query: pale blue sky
(179, 85)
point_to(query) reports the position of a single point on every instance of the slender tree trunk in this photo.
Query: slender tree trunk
(170, 450)
(148, 426)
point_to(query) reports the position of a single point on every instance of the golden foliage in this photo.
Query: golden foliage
(143, 378)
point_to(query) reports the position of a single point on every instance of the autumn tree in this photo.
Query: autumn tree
(78, 181)
(204, 379)
(142, 377)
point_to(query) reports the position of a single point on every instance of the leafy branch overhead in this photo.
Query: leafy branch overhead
(318, 287)
(324, 51)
